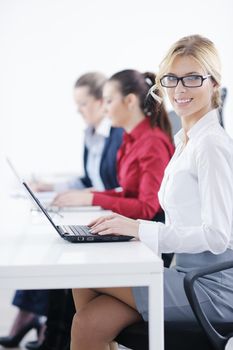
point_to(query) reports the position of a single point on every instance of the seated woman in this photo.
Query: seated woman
(146, 149)
(141, 161)
(197, 196)
(101, 144)
(101, 140)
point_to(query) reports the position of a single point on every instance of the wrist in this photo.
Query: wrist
(137, 229)
(89, 198)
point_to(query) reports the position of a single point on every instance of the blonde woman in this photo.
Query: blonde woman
(197, 196)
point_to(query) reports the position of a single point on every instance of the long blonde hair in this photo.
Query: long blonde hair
(203, 51)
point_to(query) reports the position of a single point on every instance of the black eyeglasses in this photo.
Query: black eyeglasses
(190, 81)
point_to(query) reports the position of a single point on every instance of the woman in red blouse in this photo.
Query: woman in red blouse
(146, 149)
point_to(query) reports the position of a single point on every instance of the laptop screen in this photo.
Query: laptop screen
(39, 204)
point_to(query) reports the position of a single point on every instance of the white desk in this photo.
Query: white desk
(33, 256)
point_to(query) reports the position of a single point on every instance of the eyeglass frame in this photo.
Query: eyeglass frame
(203, 77)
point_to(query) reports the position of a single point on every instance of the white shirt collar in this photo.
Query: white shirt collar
(208, 119)
(103, 128)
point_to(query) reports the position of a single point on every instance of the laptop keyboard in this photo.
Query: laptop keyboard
(77, 230)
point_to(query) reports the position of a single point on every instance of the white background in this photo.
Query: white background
(45, 45)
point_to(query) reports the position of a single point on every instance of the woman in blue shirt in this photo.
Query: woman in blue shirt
(101, 140)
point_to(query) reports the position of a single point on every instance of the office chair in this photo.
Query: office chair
(175, 122)
(201, 335)
(220, 109)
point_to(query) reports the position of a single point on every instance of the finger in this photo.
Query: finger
(99, 220)
(107, 224)
(108, 231)
(61, 197)
(94, 222)
(55, 201)
(57, 197)
(59, 202)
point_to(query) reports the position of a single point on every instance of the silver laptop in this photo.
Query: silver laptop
(47, 197)
(75, 233)
(14, 171)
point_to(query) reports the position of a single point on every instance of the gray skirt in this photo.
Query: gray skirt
(215, 291)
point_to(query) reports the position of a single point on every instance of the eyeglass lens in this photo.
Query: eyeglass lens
(187, 81)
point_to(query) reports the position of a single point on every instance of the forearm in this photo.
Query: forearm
(130, 207)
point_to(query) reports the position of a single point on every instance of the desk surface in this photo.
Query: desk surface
(32, 248)
(34, 256)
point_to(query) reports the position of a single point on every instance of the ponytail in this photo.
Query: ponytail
(154, 107)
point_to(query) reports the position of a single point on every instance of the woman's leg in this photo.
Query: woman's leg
(113, 346)
(82, 297)
(31, 304)
(22, 319)
(102, 314)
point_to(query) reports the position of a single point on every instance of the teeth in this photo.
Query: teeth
(183, 101)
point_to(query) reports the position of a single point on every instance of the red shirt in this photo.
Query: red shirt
(141, 161)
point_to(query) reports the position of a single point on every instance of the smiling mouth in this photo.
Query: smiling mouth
(183, 101)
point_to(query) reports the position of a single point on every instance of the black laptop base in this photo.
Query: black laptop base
(75, 239)
(92, 238)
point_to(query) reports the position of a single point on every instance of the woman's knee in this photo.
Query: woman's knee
(83, 325)
(78, 326)
(82, 297)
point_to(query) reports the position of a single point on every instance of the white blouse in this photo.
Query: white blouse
(196, 194)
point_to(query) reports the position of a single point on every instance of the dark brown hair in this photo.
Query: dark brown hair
(133, 82)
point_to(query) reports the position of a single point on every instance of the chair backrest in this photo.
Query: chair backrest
(175, 122)
(220, 109)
